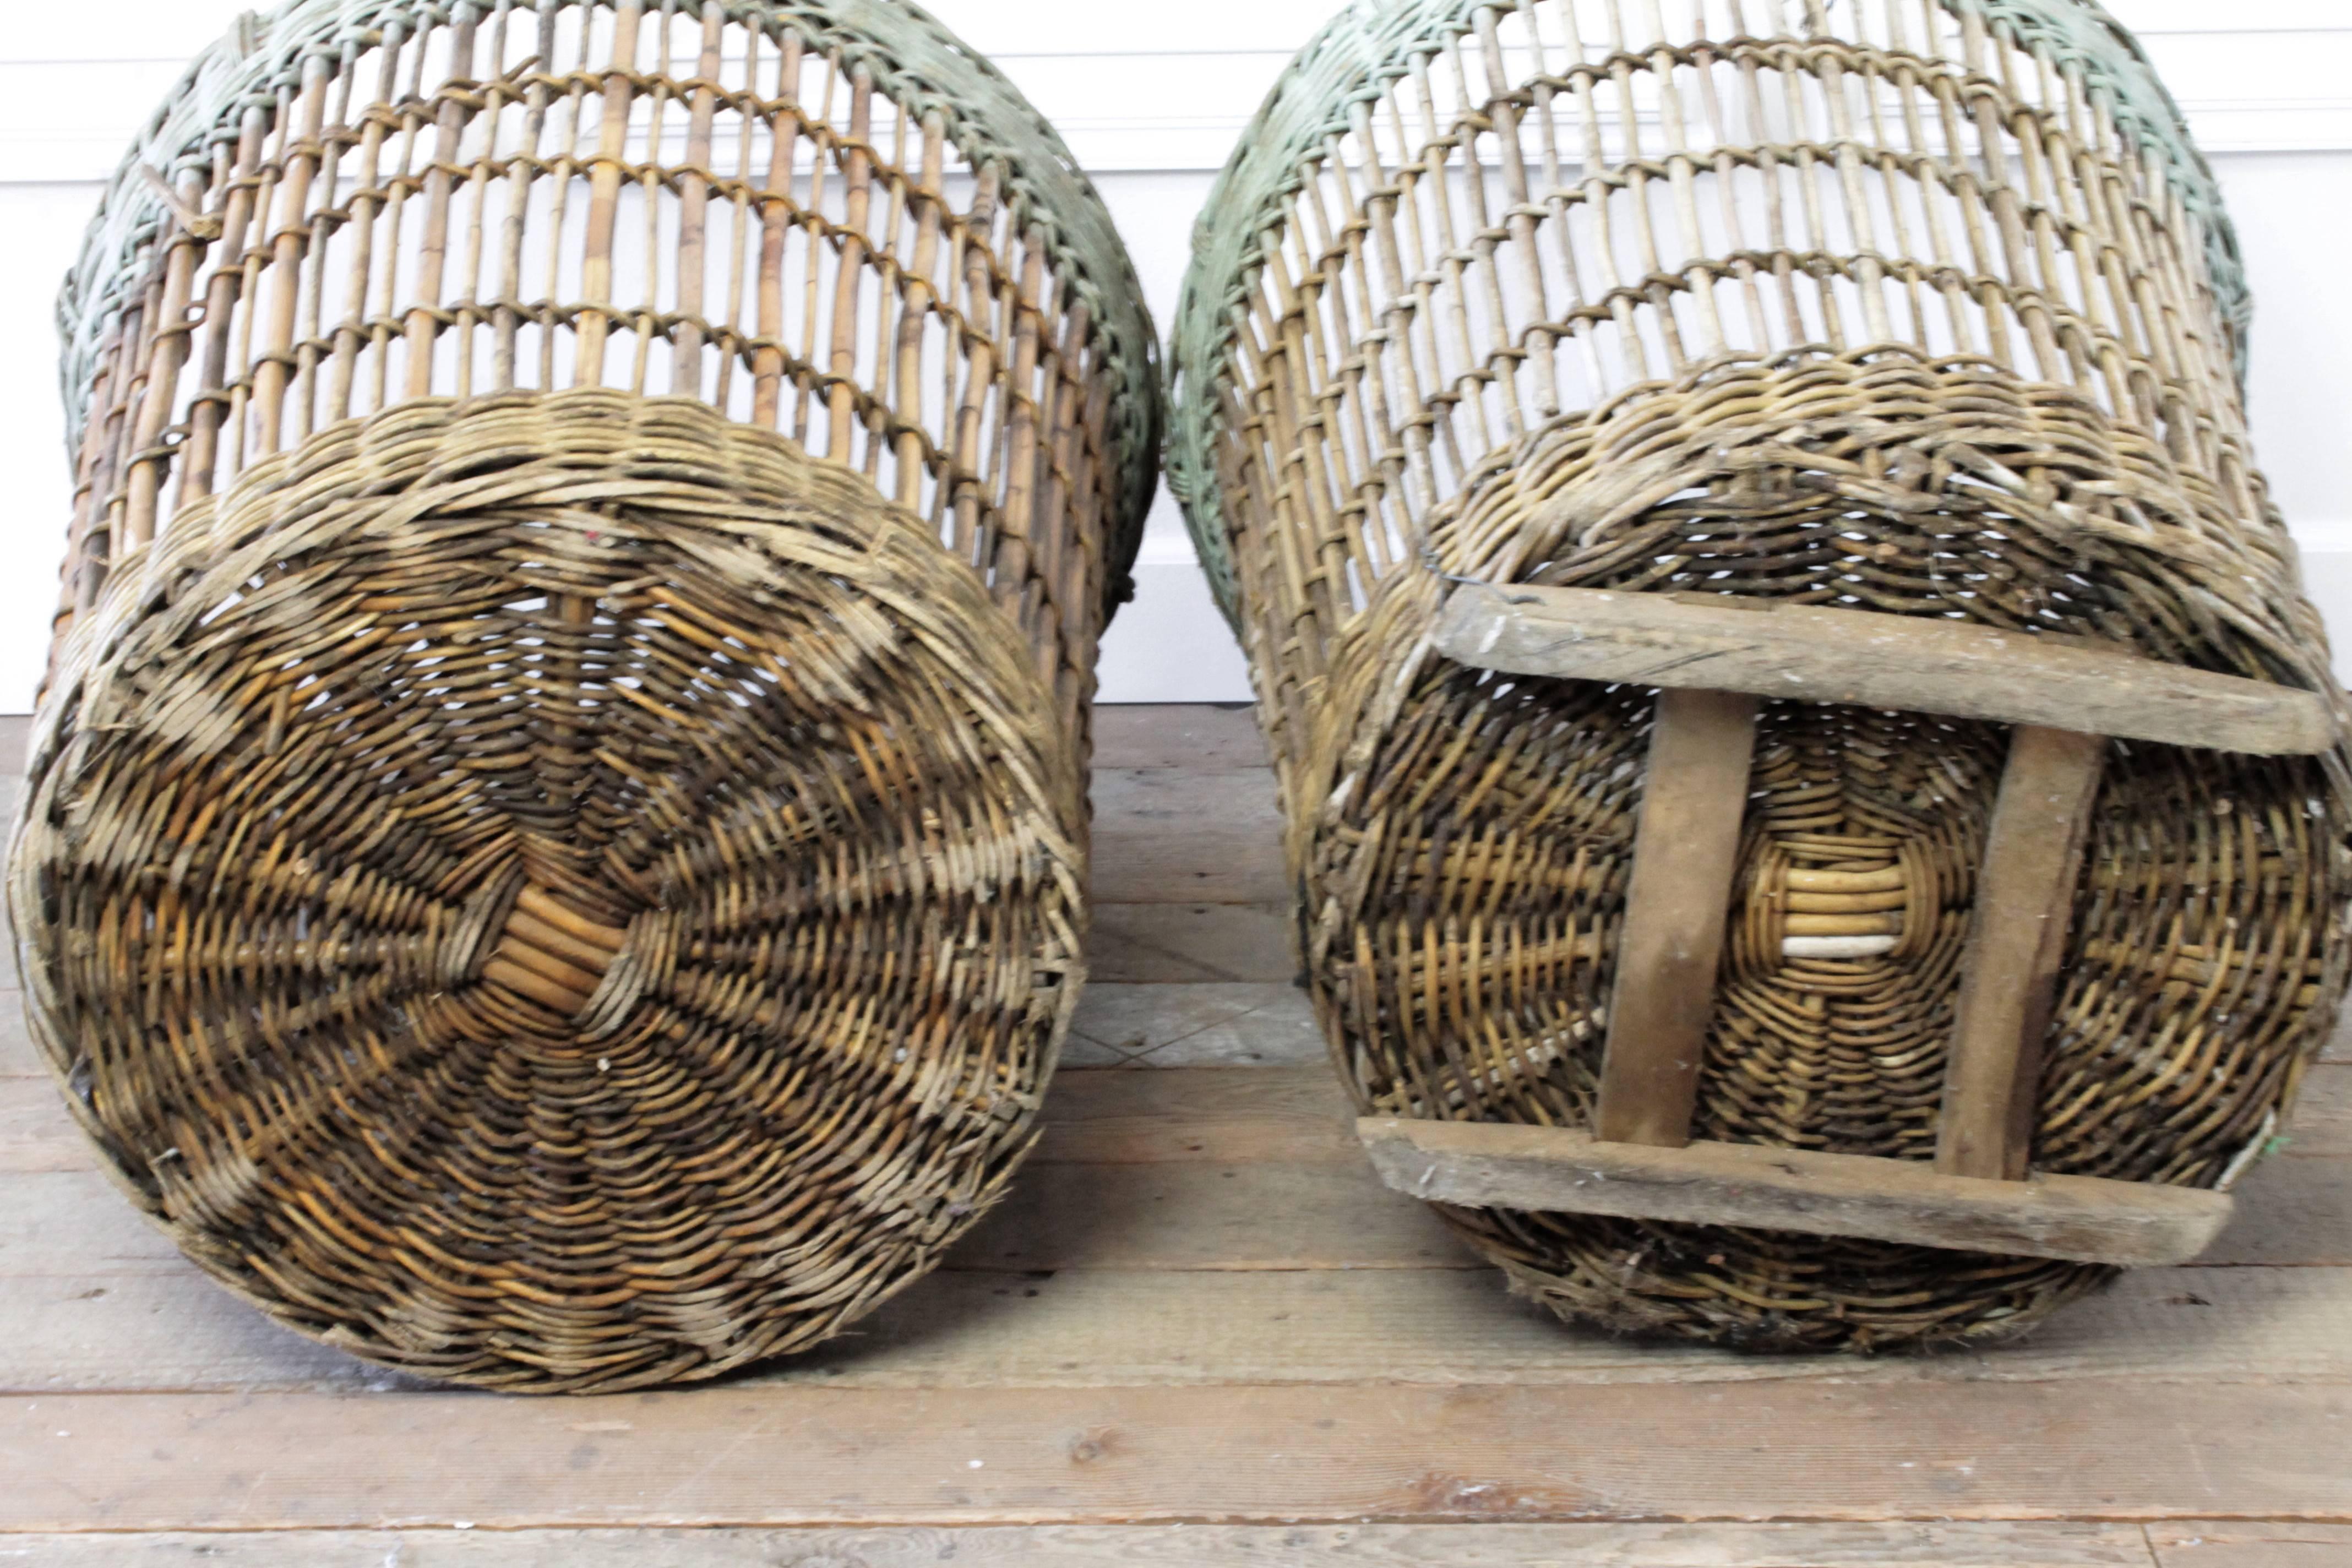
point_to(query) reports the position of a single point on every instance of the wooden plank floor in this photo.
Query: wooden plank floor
(1198, 1334)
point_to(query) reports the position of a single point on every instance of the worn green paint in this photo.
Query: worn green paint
(1374, 43)
(913, 60)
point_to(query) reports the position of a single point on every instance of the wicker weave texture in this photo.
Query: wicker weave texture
(556, 848)
(1877, 306)
(1355, 65)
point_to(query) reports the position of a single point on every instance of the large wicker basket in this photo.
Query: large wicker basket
(556, 847)
(1772, 979)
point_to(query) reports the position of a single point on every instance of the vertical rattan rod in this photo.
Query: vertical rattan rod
(200, 462)
(1016, 527)
(1058, 562)
(506, 330)
(825, 150)
(841, 397)
(326, 216)
(1685, 854)
(287, 247)
(495, 91)
(652, 171)
(2016, 940)
(84, 569)
(123, 418)
(561, 174)
(129, 374)
(915, 310)
(890, 303)
(966, 464)
(385, 274)
(776, 226)
(1776, 217)
(171, 333)
(1680, 164)
(1382, 482)
(1725, 165)
(605, 192)
(1520, 220)
(694, 213)
(252, 429)
(1640, 218)
(351, 336)
(1398, 406)
(423, 327)
(1297, 538)
(734, 357)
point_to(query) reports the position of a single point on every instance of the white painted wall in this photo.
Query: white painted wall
(1151, 98)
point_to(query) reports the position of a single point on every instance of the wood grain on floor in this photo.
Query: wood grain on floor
(1165, 1546)
(1198, 1333)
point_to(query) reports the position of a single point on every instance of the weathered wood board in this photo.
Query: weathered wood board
(1875, 660)
(1499, 1166)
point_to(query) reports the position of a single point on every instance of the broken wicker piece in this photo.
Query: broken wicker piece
(1819, 807)
(555, 853)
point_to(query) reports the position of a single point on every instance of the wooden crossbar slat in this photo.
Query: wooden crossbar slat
(1685, 853)
(1713, 663)
(1564, 1170)
(2016, 940)
(1893, 662)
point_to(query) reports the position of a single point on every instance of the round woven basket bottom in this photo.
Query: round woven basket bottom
(1466, 885)
(557, 894)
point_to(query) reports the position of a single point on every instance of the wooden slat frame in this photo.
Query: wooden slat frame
(2016, 940)
(1685, 854)
(1893, 662)
(1713, 663)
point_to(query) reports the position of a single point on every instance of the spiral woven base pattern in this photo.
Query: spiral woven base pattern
(1466, 881)
(553, 892)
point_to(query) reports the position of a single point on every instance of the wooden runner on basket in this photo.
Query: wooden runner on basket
(1712, 660)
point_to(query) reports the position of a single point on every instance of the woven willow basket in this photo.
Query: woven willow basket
(1882, 312)
(556, 844)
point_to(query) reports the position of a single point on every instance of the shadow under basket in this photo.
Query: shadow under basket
(558, 892)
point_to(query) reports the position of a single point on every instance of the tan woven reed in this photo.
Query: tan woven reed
(1887, 306)
(556, 846)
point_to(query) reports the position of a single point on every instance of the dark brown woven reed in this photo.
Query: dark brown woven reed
(1450, 361)
(529, 879)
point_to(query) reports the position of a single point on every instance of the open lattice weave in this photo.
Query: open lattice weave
(1883, 308)
(556, 847)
